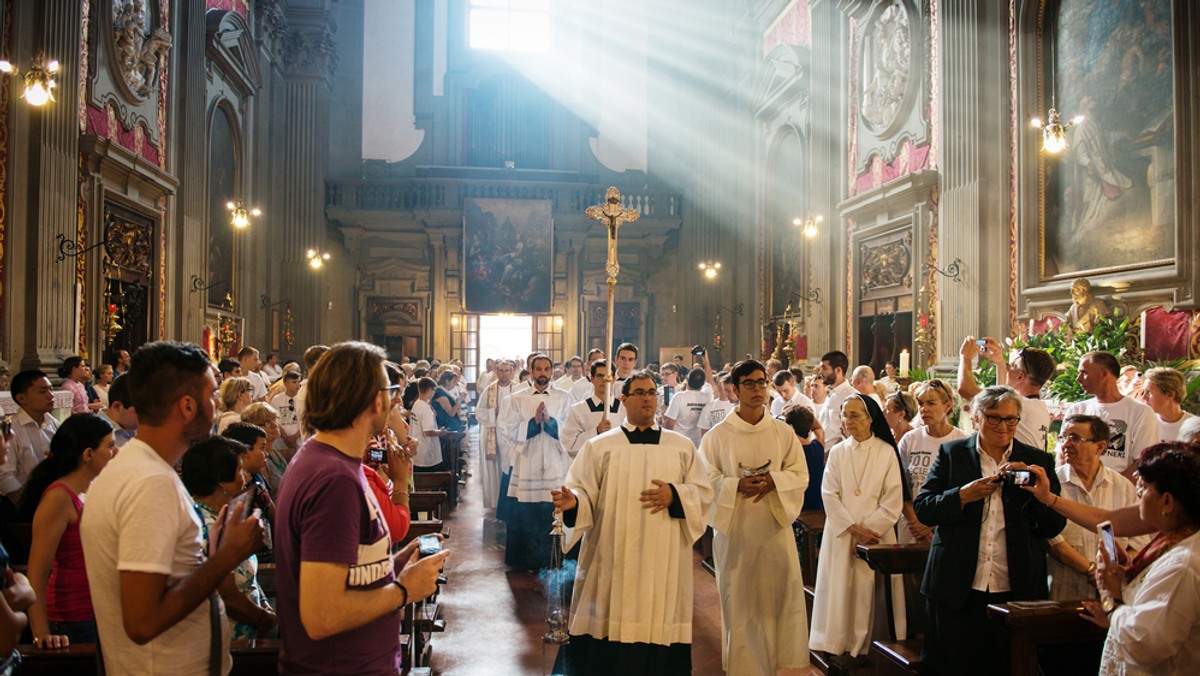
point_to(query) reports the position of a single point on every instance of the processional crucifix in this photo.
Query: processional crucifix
(613, 215)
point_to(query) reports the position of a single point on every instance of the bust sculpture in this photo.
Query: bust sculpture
(1086, 309)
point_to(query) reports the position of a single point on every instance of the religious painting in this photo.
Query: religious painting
(222, 187)
(508, 255)
(1109, 198)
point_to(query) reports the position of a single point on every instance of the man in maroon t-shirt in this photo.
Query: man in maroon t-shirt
(340, 590)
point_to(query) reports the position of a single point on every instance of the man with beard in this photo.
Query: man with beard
(833, 372)
(340, 589)
(530, 429)
(153, 587)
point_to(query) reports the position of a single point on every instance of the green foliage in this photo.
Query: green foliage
(1113, 334)
(919, 375)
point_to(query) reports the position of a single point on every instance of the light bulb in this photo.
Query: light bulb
(311, 253)
(36, 95)
(1054, 139)
(810, 230)
(710, 273)
(6, 67)
(796, 221)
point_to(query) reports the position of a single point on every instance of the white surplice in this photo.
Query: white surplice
(861, 485)
(582, 419)
(539, 463)
(492, 460)
(634, 580)
(763, 614)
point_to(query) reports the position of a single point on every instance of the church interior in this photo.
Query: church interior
(470, 180)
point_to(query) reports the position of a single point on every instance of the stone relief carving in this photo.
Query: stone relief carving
(887, 62)
(273, 24)
(141, 52)
(312, 54)
(887, 264)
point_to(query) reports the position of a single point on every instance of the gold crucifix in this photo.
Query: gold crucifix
(613, 215)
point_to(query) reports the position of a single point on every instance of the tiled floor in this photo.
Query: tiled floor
(495, 618)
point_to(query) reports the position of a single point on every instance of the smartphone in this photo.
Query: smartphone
(1108, 539)
(375, 455)
(982, 342)
(1020, 477)
(6, 426)
(428, 545)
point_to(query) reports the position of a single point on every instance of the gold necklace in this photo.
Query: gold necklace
(857, 477)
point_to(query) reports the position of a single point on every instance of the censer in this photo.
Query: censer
(556, 597)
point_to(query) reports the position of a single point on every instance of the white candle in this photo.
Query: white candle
(904, 363)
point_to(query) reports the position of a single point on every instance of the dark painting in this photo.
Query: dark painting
(1110, 197)
(508, 255)
(222, 174)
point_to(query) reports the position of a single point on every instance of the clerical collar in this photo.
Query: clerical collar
(595, 406)
(650, 435)
(545, 391)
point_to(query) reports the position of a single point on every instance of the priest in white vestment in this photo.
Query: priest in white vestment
(492, 461)
(757, 468)
(863, 495)
(586, 418)
(639, 497)
(532, 421)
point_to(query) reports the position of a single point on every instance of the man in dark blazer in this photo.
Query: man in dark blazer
(991, 539)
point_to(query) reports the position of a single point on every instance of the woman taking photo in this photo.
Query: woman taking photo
(53, 501)
(1151, 603)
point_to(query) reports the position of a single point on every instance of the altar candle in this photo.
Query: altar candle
(904, 363)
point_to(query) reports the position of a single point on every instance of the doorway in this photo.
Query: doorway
(505, 337)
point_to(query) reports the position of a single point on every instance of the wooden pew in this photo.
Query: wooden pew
(250, 658)
(438, 481)
(809, 525)
(895, 657)
(1048, 623)
(426, 505)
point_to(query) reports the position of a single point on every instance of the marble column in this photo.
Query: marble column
(973, 219)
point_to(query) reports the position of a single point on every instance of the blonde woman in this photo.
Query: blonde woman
(104, 377)
(900, 408)
(236, 395)
(267, 417)
(918, 448)
(1164, 390)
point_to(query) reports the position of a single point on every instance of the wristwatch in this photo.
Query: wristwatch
(1110, 604)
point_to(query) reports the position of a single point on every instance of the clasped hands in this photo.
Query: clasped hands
(756, 487)
(655, 499)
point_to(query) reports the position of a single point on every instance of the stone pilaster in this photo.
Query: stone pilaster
(52, 186)
(973, 222)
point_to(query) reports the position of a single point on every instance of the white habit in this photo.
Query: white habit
(861, 485)
(763, 614)
(492, 460)
(582, 420)
(634, 580)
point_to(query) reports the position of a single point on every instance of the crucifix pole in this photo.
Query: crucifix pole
(613, 215)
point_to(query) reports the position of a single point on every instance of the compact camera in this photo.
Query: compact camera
(1020, 477)
(698, 350)
(376, 455)
(428, 545)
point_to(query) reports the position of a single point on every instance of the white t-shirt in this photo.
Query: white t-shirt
(258, 386)
(714, 412)
(1170, 431)
(140, 518)
(289, 420)
(1035, 423)
(778, 404)
(918, 450)
(429, 449)
(685, 410)
(1133, 424)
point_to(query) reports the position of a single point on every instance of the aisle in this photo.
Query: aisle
(495, 618)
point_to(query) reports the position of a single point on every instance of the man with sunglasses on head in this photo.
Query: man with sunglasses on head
(1026, 370)
(991, 539)
(289, 418)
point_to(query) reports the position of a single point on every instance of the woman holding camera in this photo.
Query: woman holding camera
(213, 475)
(53, 501)
(1151, 603)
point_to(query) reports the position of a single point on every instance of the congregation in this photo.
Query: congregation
(196, 475)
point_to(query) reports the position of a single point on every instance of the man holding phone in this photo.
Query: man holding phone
(340, 590)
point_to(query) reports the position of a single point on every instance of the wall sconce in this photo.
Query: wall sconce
(810, 225)
(1054, 132)
(316, 259)
(240, 217)
(39, 79)
(709, 270)
(953, 272)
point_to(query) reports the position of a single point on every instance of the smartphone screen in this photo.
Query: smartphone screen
(1110, 541)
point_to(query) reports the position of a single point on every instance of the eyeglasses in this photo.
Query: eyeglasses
(754, 384)
(996, 420)
(1074, 438)
(642, 393)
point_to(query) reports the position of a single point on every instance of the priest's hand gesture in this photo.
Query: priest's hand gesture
(564, 500)
(540, 416)
(658, 498)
